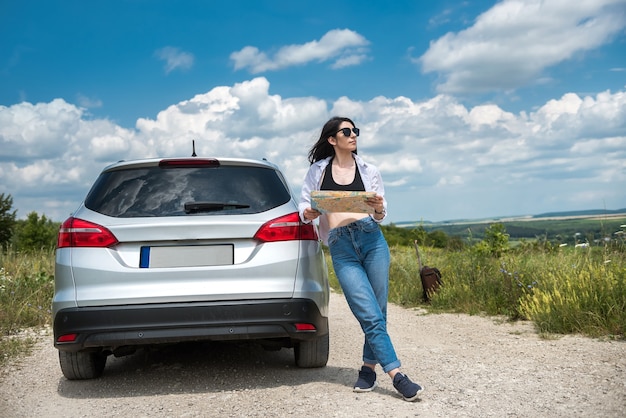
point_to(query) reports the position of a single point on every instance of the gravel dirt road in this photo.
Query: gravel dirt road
(470, 366)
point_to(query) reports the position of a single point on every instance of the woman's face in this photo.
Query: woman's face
(345, 138)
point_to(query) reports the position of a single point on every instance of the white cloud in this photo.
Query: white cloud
(174, 58)
(345, 47)
(349, 61)
(107, 145)
(471, 162)
(440, 19)
(31, 131)
(511, 44)
(87, 102)
(452, 180)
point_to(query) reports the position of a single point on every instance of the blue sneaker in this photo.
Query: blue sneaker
(366, 381)
(406, 388)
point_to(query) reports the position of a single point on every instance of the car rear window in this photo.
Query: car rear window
(154, 191)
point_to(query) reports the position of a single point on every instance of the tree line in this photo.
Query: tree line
(37, 232)
(31, 234)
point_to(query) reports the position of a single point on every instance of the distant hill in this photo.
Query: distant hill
(561, 215)
(578, 213)
(590, 225)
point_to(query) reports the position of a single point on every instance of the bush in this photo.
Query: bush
(35, 233)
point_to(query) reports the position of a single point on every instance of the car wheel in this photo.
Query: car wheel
(312, 353)
(82, 364)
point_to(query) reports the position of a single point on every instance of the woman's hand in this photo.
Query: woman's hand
(311, 214)
(377, 203)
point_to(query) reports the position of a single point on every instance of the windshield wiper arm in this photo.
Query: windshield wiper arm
(196, 207)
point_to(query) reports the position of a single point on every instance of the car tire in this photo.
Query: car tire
(82, 364)
(312, 353)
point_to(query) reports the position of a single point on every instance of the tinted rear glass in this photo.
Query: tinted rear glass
(157, 191)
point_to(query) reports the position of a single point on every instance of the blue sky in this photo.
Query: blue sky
(470, 109)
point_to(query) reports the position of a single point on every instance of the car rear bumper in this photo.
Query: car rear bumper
(118, 326)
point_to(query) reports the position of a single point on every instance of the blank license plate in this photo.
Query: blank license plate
(186, 256)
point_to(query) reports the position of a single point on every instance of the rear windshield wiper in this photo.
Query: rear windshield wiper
(196, 207)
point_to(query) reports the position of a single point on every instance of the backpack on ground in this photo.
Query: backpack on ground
(430, 277)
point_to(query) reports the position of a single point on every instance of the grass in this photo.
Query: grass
(26, 289)
(562, 290)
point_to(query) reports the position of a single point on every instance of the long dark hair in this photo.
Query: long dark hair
(322, 147)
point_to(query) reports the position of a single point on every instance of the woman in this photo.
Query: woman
(358, 249)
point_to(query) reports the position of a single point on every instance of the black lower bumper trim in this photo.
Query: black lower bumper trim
(117, 326)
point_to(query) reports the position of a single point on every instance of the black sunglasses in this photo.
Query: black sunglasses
(346, 131)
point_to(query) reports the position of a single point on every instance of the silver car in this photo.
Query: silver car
(173, 250)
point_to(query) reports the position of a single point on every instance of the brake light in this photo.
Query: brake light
(302, 327)
(189, 163)
(79, 233)
(67, 338)
(286, 228)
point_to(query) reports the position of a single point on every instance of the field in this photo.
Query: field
(562, 289)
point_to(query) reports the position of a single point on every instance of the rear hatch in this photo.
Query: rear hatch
(183, 231)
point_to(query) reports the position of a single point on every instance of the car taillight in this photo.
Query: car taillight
(79, 233)
(286, 228)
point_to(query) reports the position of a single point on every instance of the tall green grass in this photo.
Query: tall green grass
(562, 290)
(582, 296)
(26, 289)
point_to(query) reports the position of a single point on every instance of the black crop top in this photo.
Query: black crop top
(329, 183)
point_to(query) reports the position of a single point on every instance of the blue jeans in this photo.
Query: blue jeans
(361, 259)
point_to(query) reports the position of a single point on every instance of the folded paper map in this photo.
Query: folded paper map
(336, 201)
